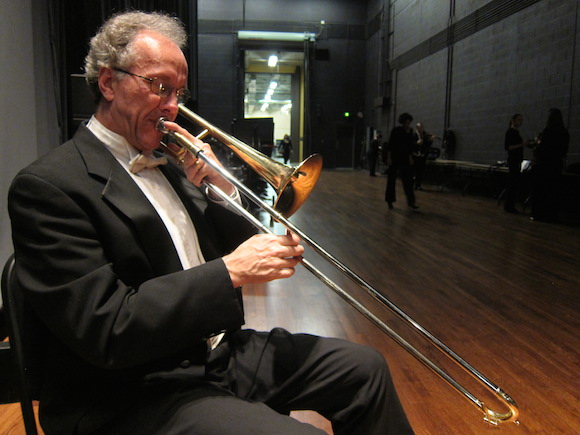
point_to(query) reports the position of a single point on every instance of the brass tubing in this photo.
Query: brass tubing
(292, 184)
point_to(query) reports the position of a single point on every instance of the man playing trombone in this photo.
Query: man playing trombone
(133, 274)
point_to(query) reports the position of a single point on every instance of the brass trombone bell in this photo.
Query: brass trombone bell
(292, 184)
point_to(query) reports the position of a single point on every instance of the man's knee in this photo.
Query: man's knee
(368, 364)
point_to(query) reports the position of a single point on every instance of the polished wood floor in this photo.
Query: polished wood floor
(500, 290)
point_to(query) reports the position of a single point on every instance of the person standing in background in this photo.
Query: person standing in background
(402, 143)
(374, 154)
(424, 143)
(549, 156)
(514, 145)
(286, 148)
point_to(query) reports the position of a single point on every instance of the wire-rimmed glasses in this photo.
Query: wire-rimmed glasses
(159, 88)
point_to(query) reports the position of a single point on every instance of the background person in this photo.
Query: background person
(402, 143)
(286, 148)
(549, 157)
(424, 142)
(373, 154)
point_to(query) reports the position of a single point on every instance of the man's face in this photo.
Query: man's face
(133, 109)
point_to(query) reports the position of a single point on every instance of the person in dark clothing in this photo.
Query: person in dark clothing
(402, 143)
(449, 144)
(514, 145)
(374, 154)
(549, 157)
(424, 142)
(286, 148)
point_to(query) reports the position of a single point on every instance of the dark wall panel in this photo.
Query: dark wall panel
(507, 57)
(337, 80)
(217, 71)
(337, 87)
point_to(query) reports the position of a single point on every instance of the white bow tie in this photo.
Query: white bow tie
(141, 161)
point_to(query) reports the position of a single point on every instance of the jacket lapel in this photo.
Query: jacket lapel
(121, 192)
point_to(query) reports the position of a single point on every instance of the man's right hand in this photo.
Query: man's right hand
(263, 258)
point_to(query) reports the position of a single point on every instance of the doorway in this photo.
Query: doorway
(275, 90)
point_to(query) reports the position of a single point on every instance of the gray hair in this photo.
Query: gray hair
(112, 45)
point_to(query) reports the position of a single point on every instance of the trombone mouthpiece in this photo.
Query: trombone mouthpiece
(160, 126)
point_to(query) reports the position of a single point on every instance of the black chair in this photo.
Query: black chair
(15, 379)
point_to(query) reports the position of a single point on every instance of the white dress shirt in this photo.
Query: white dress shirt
(160, 194)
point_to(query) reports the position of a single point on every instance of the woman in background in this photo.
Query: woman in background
(424, 143)
(550, 154)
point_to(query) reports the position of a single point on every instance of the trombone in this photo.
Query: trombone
(293, 185)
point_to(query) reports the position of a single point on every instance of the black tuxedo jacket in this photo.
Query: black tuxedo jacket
(105, 292)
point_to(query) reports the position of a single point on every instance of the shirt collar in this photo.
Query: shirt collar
(116, 144)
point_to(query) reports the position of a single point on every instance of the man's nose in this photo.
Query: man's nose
(169, 104)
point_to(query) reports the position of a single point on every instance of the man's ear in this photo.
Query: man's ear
(106, 76)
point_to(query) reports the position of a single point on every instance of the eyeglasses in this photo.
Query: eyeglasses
(159, 88)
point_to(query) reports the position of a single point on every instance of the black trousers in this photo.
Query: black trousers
(406, 171)
(373, 158)
(252, 382)
(546, 193)
(515, 169)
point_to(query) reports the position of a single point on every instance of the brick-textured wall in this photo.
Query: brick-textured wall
(420, 91)
(417, 20)
(522, 64)
(525, 63)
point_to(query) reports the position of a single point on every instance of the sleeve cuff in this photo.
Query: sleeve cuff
(217, 200)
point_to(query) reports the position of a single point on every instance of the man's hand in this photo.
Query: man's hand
(264, 258)
(196, 169)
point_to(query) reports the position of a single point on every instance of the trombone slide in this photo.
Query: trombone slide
(291, 176)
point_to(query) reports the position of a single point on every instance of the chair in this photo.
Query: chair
(14, 372)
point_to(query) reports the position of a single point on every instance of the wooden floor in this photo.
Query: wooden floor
(500, 290)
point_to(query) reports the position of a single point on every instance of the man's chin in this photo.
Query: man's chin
(151, 142)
